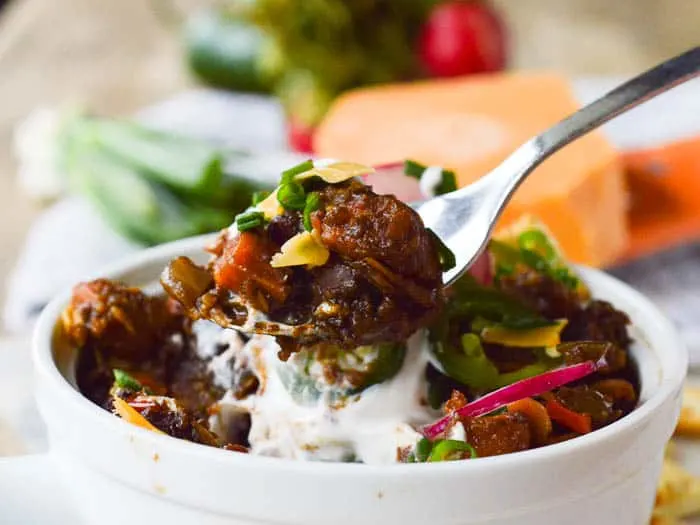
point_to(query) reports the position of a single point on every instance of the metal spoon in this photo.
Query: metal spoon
(464, 219)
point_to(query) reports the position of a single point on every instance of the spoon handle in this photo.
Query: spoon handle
(621, 99)
(630, 94)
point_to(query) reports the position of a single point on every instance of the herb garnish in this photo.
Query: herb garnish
(250, 220)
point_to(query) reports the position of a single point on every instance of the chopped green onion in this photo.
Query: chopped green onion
(451, 450)
(448, 181)
(413, 168)
(537, 241)
(250, 220)
(260, 196)
(313, 202)
(423, 449)
(291, 196)
(124, 380)
(447, 258)
(564, 276)
(288, 175)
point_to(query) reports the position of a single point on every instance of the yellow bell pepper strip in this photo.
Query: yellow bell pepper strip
(544, 336)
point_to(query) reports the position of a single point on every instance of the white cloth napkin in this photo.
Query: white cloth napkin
(69, 242)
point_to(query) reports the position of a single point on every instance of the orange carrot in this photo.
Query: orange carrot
(245, 259)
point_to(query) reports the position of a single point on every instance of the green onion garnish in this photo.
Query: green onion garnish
(250, 220)
(450, 450)
(291, 196)
(124, 380)
(313, 202)
(448, 180)
(447, 258)
(260, 196)
(423, 449)
(413, 168)
(288, 175)
(536, 241)
(448, 183)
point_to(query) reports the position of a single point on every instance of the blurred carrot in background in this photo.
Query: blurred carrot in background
(664, 187)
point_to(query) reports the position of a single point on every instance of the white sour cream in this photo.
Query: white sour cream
(370, 427)
(430, 180)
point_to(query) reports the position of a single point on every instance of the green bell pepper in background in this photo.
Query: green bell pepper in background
(225, 50)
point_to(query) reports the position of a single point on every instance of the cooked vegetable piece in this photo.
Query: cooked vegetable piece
(313, 203)
(244, 265)
(537, 416)
(529, 387)
(343, 373)
(250, 220)
(130, 415)
(579, 423)
(530, 247)
(124, 380)
(541, 336)
(302, 249)
(451, 450)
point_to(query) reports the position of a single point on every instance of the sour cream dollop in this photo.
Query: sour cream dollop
(369, 427)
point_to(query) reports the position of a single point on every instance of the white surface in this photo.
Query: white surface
(102, 459)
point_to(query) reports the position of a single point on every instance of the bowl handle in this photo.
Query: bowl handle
(31, 492)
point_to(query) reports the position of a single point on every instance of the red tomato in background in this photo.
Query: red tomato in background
(462, 37)
(300, 136)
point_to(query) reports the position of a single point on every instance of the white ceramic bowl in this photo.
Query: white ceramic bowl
(120, 474)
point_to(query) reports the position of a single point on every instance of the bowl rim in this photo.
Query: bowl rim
(47, 371)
